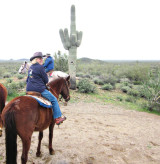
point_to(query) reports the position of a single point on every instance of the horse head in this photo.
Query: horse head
(59, 86)
(24, 68)
(65, 89)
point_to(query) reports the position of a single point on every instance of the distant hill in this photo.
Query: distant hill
(89, 61)
(12, 60)
(24, 59)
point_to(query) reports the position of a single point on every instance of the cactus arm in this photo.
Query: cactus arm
(79, 38)
(67, 38)
(62, 36)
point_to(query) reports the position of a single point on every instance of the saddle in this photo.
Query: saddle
(50, 72)
(41, 100)
(33, 93)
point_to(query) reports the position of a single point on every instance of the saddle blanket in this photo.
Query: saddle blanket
(42, 102)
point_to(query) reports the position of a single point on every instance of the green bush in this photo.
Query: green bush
(137, 82)
(22, 84)
(107, 87)
(130, 99)
(125, 80)
(98, 81)
(119, 98)
(9, 80)
(61, 62)
(20, 76)
(133, 92)
(110, 79)
(125, 89)
(13, 87)
(151, 89)
(80, 74)
(6, 75)
(85, 86)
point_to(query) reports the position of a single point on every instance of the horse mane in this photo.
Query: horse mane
(55, 82)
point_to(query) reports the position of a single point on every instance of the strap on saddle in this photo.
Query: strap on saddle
(50, 72)
(33, 93)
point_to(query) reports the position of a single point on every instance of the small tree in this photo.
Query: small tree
(151, 89)
(61, 62)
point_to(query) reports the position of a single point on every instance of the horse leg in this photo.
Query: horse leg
(51, 150)
(38, 154)
(26, 145)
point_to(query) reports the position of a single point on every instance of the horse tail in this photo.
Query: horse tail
(11, 137)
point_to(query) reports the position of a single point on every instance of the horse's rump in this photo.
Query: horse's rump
(28, 112)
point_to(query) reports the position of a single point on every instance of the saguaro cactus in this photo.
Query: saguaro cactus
(71, 43)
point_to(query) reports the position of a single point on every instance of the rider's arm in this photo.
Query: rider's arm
(44, 75)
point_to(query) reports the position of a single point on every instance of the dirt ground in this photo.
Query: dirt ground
(98, 134)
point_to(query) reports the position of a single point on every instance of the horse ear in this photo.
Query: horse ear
(68, 78)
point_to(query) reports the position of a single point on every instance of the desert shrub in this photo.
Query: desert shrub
(1, 73)
(22, 84)
(11, 88)
(79, 74)
(9, 80)
(14, 87)
(133, 92)
(109, 79)
(125, 81)
(151, 90)
(98, 81)
(125, 89)
(61, 62)
(7, 75)
(130, 99)
(125, 84)
(85, 86)
(119, 98)
(20, 76)
(107, 87)
(137, 82)
(87, 76)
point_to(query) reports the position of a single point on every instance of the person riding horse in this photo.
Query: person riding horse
(48, 64)
(37, 80)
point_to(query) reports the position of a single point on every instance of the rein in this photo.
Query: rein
(55, 94)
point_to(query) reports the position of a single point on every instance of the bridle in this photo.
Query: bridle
(56, 95)
(24, 67)
(68, 97)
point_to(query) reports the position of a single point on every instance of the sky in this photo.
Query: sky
(112, 29)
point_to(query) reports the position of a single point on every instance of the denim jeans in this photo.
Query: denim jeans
(47, 70)
(55, 106)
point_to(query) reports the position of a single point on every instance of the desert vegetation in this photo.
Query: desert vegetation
(132, 83)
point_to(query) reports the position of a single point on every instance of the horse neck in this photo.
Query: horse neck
(28, 65)
(56, 87)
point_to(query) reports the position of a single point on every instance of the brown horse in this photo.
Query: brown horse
(3, 97)
(23, 115)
